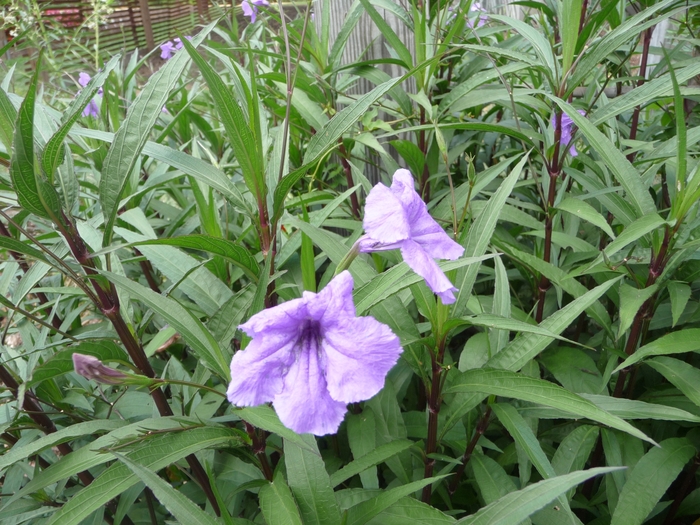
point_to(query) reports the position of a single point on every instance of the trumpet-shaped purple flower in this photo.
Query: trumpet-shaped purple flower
(167, 50)
(92, 368)
(250, 8)
(311, 357)
(397, 218)
(567, 126)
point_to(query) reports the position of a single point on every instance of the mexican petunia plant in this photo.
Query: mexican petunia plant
(401, 262)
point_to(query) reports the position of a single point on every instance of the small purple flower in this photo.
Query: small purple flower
(311, 357)
(178, 43)
(482, 19)
(250, 8)
(397, 218)
(92, 368)
(167, 50)
(91, 110)
(567, 126)
(83, 79)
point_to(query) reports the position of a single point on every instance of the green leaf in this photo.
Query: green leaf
(190, 327)
(8, 116)
(513, 508)
(86, 428)
(365, 511)
(237, 254)
(326, 139)
(569, 20)
(183, 509)
(512, 325)
(133, 133)
(391, 38)
(633, 409)
(493, 481)
(310, 483)
(62, 362)
(375, 457)
(561, 279)
(90, 456)
(154, 454)
(13, 245)
(679, 294)
(683, 376)
(240, 132)
(631, 300)
(517, 386)
(479, 236)
(527, 345)
(410, 510)
(277, 503)
(539, 43)
(265, 418)
(585, 211)
(574, 449)
(54, 151)
(648, 481)
(22, 173)
(622, 169)
(680, 342)
(395, 279)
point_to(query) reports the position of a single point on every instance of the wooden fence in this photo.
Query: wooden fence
(131, 24)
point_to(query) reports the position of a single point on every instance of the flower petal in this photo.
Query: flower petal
(334, 303)
(304, 405)
(385, 219)
(421, 263)
(285, 317)
(257, 373)
(359, 355)
(83, 79)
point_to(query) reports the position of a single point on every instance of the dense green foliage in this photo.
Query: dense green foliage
(562, 386)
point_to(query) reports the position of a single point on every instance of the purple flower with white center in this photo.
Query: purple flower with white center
(397, 218)
(92, 368)
(567, 126)
(250, 8)
(312, 356)
(167, 50)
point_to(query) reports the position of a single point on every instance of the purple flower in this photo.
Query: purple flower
(92, 368)
(397, 217)
(312, 356)
(167, 50)
(91, 110)
(476, 6)
(250, 8)
(83, 79)
(178, 43)
(567, 126)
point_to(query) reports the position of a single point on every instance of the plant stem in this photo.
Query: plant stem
(646, 42)
(434, 401)
(553, 169)
(683, 491)
(108, 303)
(481, 427)
(348, 178)
(656, 268)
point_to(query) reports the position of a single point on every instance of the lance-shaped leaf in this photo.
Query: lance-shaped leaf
(134, 132)
(54, 151)
(517, 386)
